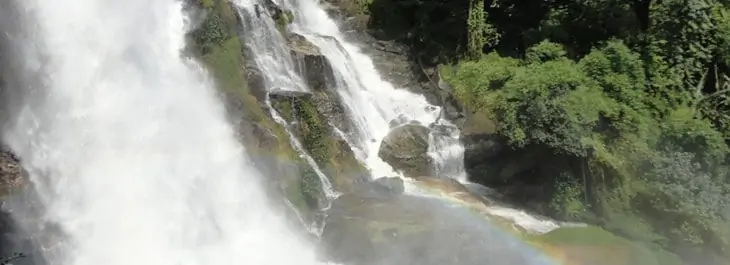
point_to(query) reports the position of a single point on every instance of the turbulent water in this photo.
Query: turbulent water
(371, 102)
(129, 147)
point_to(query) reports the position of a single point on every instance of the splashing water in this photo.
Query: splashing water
(272, 57)
(128, 146)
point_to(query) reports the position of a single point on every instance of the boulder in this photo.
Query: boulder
(405, 149)
(299, 45)
(414, 230)
(389, 185)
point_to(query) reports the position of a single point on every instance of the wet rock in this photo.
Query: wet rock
(389, 185)
(300, 45)
(318, 73)
(11, 174)
(280, 94)
(398, 121)
(315, 68)
(306, 120)
(414, 230)
(405, 148)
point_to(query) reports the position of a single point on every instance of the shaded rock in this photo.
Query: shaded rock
(405, 148)
(314, 67)
(279, 94)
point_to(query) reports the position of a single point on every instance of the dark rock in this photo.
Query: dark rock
(405, 149)
(279, 94)
(315, 68)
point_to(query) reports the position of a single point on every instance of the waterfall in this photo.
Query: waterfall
(128, 146)
(274, 60)
(447, 151)
(371, 101)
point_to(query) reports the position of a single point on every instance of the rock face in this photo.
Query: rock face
(318, 73)
(11, 174)
(302, 112)
(405, 148)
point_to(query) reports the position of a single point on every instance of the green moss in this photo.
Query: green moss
(283, 20)
(593, 245)
(293, 193)
(311, 188)
(313, 130)
(208, 4)
(212, 32)
(224, 60)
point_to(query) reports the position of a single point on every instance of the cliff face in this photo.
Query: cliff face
(11, 174)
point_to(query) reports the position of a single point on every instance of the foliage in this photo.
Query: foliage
(657, 170)
(211, 33)
(311, 188)
(312, 130)
(593, 245)
(283, 19)
(568, 198)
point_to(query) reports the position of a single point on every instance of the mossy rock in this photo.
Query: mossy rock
(327, 149)
(265, 139)
(595, 246)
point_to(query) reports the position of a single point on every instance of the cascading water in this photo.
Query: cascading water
(447, 151)
(129, 147)
(273, 58)
(371, 101)
(269, 48)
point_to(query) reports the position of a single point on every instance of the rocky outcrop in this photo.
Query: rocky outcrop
(318, 73)
(309, 124)
(11, 174)
(405, 149)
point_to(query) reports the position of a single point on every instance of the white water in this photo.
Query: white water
(447, 151)
(129, 147)
(272, 57)
(269, 47)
